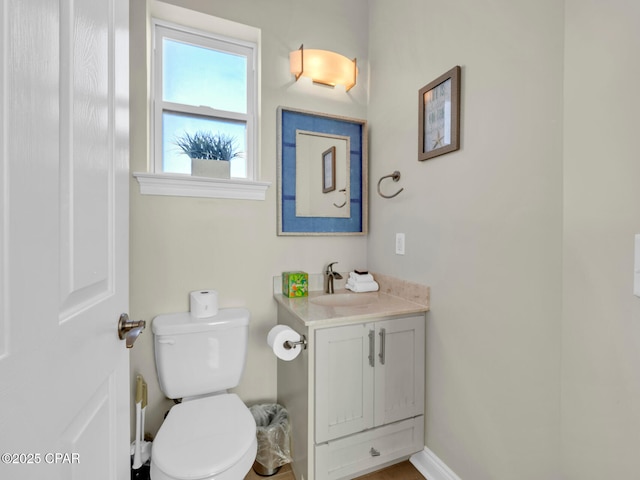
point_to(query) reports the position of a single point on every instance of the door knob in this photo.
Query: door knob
(129, 330)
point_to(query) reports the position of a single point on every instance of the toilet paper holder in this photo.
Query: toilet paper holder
(290, 345)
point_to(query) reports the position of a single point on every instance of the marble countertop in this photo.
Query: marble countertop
(378, 304)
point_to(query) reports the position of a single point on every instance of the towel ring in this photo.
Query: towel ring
(395, 176)
(345, 200)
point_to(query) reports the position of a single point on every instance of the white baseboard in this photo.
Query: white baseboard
(431, 467)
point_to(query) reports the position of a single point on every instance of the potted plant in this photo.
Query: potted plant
(210, 153)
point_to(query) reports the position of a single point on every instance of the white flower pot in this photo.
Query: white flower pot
(210, 168)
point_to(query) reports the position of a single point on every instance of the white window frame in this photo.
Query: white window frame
(157, 182)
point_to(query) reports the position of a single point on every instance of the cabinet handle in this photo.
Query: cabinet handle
(374, 453)
(372, 361)
(383, 341)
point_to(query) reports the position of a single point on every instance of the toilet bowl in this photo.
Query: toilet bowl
(211, 438)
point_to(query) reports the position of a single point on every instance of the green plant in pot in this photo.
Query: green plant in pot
(210, 153)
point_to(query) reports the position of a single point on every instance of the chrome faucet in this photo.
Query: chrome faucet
(329, 275)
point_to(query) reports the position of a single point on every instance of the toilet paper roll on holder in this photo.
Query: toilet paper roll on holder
(289, 345)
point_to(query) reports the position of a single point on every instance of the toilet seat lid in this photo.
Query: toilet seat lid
(203, 437)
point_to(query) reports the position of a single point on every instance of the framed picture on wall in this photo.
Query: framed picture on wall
(329, 170)
(439, 116)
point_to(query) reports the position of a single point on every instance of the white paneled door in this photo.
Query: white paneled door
(64, 385)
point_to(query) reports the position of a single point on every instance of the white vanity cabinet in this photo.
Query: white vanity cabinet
(356, 395)
(369, 395)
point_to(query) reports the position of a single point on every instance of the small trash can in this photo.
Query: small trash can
(273, 431)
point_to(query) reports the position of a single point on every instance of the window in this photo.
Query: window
(202, 83)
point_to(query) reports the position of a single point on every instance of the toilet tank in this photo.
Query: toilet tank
(197, 356)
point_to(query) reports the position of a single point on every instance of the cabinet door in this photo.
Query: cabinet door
(344, 380)
(399, 372)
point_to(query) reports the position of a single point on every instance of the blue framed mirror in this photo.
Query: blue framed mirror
(322, 174)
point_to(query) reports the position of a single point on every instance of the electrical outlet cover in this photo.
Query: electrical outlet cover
(636, 267)
(399, 243)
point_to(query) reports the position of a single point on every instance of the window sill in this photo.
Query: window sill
(178, 185)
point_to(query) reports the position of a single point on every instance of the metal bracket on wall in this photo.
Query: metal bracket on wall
(395, 176)
(303, 343)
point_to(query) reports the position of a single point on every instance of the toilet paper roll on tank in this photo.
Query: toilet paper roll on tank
(276, 339)
(203, 303)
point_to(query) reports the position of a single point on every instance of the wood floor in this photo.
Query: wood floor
(401, 471)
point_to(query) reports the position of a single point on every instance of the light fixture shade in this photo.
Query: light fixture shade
(322, 66)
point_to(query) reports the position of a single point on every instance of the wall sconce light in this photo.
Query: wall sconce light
(324, 67)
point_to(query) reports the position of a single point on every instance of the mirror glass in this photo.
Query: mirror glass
(322, 174)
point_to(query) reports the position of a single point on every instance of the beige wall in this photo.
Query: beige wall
(183, 244)
(601, 324)
(525, 235)
(483, 225)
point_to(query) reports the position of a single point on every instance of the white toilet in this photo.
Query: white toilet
(211, 435)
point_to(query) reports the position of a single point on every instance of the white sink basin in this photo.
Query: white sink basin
(344, 299)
